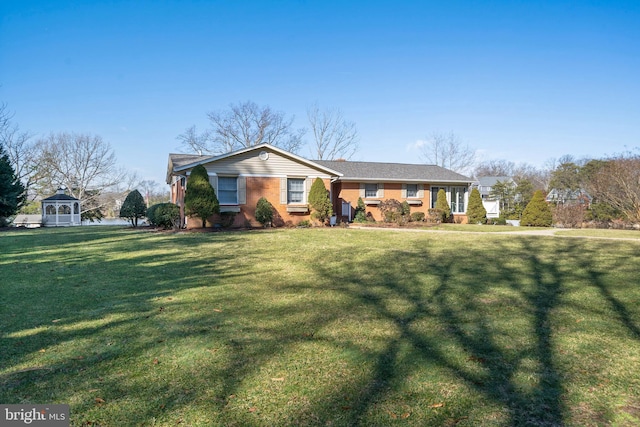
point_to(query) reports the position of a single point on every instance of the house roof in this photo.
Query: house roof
(344, 170)
(183, 162)
(490, 181)
(373, 171)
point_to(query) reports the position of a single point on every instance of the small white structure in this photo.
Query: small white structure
(60, 210)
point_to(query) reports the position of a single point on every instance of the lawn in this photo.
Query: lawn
(320, 327)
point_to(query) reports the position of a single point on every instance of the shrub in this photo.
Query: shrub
(200, 198)
(476, 213)
(537, 213)
(434, 216)
(361, 211)
(406, 208)
(165, 215)
(133, 207)
(443, 205)
(569, 215)
(227, 219)
(304, 223)
(393, 211)
(264, 212)
(319, 201)
(417, 216)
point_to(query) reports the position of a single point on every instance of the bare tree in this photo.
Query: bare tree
(194, 141)
(153, 192)
(85, 164)
(19, 148)
(494, 168)
(617, 182)
(448, 151)
(334, 137)
(244, 125)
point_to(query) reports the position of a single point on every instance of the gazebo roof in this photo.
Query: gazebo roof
(59, 196)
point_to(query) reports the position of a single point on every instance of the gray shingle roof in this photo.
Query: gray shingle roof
(178, 160)
(60, 197)
(490, 181)
(393, 171)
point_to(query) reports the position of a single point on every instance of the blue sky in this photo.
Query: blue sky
(523, 81)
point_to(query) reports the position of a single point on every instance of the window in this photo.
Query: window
(64, 210)
(228, 190)
(50, 210)
(371, 190)
(295, 190)
(412, 190)
(457, 199)
(76, 208)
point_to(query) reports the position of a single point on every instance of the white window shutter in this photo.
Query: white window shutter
(381, 190)
(421, 191)
(242, 190)
(362, 193)
(283, 191)
(403, 192)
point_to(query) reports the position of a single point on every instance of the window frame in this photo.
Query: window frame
(227, 191)
(301, 191)
(415, 192)
(367, 191)
(457, 199)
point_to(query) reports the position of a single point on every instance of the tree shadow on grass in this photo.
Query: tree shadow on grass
(460, 297)
(447, 307)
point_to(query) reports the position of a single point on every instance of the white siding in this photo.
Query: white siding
(250, 164)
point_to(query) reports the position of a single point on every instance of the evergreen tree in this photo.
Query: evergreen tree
(442, 205)
(537, 213)
(133, 207)
(200, 198)
(476, 213)
(319, 201)
(12, 192)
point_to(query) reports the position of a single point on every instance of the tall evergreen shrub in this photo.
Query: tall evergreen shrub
(200, 198)
(442, 205)
(537, 213)
(319, 201)
(476, 213)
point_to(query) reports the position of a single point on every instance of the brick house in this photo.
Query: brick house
(241, 177)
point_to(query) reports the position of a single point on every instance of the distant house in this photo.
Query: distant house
(568, 196)
(61, 210)
(485, 186)
(242, 177)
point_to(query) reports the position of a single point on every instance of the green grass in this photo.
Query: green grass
(320, 327)
(610, 234)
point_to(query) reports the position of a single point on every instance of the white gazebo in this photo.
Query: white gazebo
(60, 210)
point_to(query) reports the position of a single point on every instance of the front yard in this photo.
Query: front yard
(320, 327)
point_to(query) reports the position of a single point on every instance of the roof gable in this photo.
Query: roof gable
(245, 160)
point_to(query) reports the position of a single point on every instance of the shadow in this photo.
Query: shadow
(388, 315)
